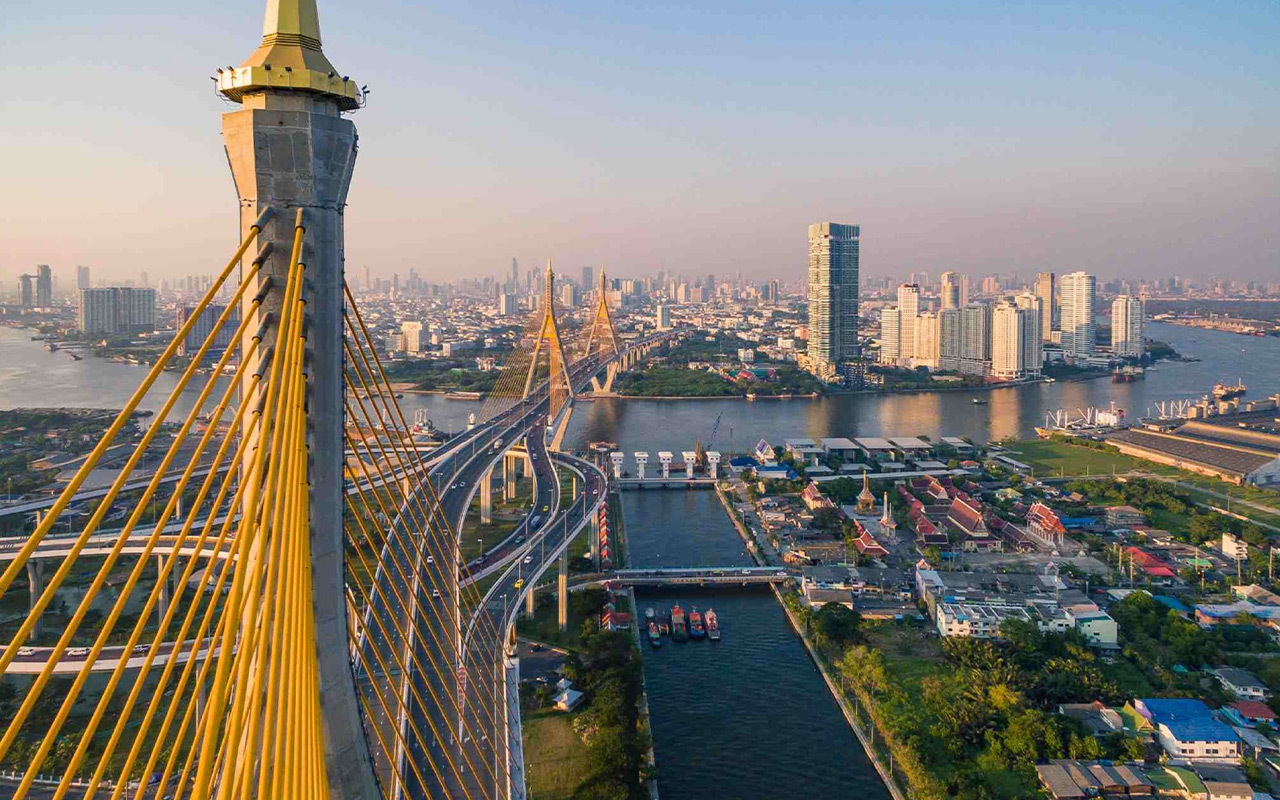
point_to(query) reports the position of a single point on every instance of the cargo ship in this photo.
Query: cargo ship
(713, 625)
(696, 629)
(655, 635)
(679, 629)
(1223, 392)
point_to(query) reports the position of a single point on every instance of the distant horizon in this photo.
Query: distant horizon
(1133, 142)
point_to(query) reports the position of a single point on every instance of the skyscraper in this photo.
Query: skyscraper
(928, 345)
(412, 333)
(1078, 291)
(1035, 345)
(44, 286)
(664, 317)
(1015, 339)
(588, 279)
(1046, 290)
(950, 290)
(833, 297)
(908, 310)
(949, 338)
(82, 278)
(1127, 321)
(975, 339)
(890, 335)
(514, 285)
(26, 296)
(117, 309)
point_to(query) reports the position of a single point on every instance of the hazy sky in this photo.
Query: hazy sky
(1134, 139)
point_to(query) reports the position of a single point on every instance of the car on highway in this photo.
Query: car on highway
(430, 560)
(528, 559)
(77, 652)
(435, 593)
(26, 651)
(519, 582)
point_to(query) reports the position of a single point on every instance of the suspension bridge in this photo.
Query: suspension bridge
(284, 610)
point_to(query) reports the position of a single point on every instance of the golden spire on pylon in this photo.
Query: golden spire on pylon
(290, 58)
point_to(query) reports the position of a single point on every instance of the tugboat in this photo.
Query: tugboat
(655, 636)
(696, 629)
(679, 630)
(713, 625)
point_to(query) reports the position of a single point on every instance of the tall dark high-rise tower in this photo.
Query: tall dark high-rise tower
(833, 297)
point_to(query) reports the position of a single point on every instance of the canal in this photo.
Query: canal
(749, 716)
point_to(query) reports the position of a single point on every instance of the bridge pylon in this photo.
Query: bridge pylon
(560, 385)
(602, 335)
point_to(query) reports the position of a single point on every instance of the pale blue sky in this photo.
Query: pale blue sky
(1129, 139)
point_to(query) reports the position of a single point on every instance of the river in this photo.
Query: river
(32, 376)
(748, 716)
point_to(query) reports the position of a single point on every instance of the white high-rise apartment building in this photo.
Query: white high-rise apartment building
(1035, 347)
(664, 317)
(1015, 341)
(117, 309)
(412, 333)
(928, 341)
(1128, 317)
(949, 338)
(890, 335)
(908, 310)
(975, 339)
(1077, 292)
(950, 290)
(833, 296)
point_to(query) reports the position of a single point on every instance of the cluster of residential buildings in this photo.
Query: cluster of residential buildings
(1006, 336)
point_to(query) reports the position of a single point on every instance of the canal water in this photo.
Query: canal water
(749, 716)
(32, 376)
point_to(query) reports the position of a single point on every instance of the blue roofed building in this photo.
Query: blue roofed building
(1188, 730)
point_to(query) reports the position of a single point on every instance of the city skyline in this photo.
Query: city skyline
(998, 141)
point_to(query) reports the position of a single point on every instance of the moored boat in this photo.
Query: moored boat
(697, 630)
(713, 625)
(679, 628)
(655, 635)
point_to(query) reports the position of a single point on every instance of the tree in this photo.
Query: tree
(835, 625)
(588, 602)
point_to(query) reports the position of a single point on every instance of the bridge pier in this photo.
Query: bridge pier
(35, 583)
(563, 591)
(486, 497)
(529, 603)
(165, 591)
(510, 474)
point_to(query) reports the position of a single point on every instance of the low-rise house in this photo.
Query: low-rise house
(1209, 615)
(1253, 712)
(1124, 517)
(1097, 628)
(1242, 683)
(1096, 718)
(1186, 729)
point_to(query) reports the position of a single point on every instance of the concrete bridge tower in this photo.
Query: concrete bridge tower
(616, 458)
(665, 457)
(292, 151)
(642, 458)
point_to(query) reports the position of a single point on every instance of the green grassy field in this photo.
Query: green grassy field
(555, 759)
(1051, 459)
